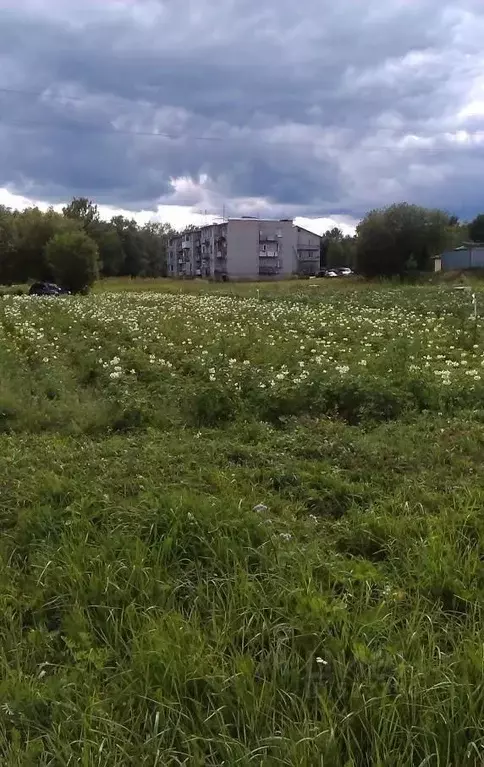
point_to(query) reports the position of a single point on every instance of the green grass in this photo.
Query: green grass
(242, 528)
(169, 285)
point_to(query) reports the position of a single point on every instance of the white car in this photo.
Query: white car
(345, 271)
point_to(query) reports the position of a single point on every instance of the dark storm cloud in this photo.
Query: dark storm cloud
(317, 107)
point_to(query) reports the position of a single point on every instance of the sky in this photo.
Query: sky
(185, 110)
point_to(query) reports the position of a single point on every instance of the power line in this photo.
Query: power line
(112, 130)
(92, 128)
(40, 94)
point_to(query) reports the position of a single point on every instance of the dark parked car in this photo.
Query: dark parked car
(46, 289)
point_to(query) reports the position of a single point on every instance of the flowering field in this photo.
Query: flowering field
(151, 359)
(242, 527)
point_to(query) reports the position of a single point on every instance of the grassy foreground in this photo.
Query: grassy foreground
(242, 529)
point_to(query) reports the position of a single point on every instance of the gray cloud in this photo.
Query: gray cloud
(311, 108)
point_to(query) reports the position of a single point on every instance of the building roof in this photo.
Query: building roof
(200, 229)
(460, 248)
(467, 246)
(303, 229)
(261, 220)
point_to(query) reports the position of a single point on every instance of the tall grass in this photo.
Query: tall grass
(193, 573)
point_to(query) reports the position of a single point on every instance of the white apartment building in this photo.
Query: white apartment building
(244, 248)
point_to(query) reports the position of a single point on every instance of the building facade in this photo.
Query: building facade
(244, 248)
(308, 247)
(469, 256)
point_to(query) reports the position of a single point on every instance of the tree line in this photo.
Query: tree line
(76, 246)
(398, 240)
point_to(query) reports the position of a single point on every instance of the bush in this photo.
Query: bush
(131, 418)
(211, 405)
(73, 258)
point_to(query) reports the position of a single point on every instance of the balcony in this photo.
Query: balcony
(268, 253)
(186, 244)
(306, 255)
(267, 270)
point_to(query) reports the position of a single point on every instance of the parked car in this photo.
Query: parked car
(345, 271)
(46, 289)
(327, 273)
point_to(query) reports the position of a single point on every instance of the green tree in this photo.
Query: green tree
(73, 259)
(458, 233)
(110, 246)
(33, 229)
(136, 258)
(83, 210)
(338, 249)
(124, 247)
(155, 242)
(105, 234)
(7, 246)
(329, 238)
(341, 252)
(391, 238)
(476, 228)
